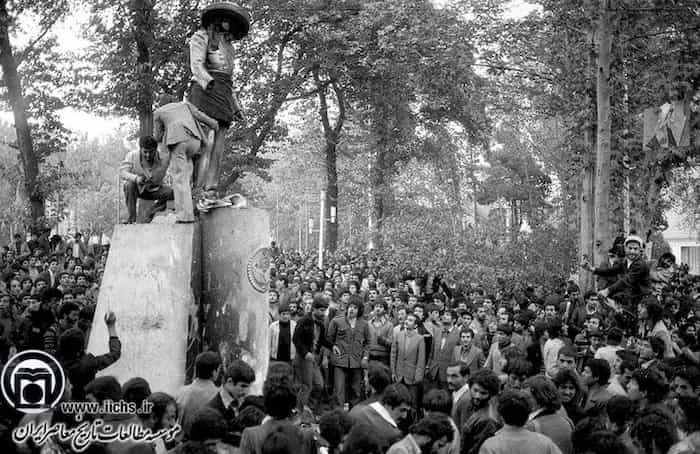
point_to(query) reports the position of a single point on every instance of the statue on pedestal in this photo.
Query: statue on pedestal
(212, 61)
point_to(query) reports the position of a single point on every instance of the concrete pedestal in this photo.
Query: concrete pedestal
(235, 279)
(150, 281)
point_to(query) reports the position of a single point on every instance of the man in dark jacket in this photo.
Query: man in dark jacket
(633, 283)
(309, 337)
(349, 337)
(81, 367)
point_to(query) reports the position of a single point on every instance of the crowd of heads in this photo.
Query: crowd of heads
(567, 366)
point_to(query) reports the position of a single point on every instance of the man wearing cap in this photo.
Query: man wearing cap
(212, 60)
(634, 281)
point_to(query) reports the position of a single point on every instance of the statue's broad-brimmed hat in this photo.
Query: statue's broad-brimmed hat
(238, 17)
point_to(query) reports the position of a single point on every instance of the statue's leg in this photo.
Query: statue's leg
(211, 177)
(203, 165)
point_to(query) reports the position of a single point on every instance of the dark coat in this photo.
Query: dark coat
(81, 371)
(353, 343)
(634, 282)
(304, 336)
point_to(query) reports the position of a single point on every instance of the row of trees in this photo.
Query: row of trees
(386, 107)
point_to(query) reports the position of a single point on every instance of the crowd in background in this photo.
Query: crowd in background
(368, 357)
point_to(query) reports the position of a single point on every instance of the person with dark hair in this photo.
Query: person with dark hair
(650, 315)
(686, 381)
(235, 384)
(365, 439)
(81, 367)
(596, 376)
(653, 432)
(333, 426)
(621, 411)
(103, 388)
(206, 428)
(445, 339)
(517, 370)
(163, 416)
(136, 390)
(380, 330)
(502, 350)
(688, 421)
(570, 393)
(480, 421)
(534, 351)
(604, 442)
(550, 350)
(651, 352)
(143, 171)
(633, 278)
(349, 337)
(194, 396)
(545, 417)
(468, 352)
(408, 359)
(612, 345)
(280, 397)
(378, 378)
(521, 336)
(387, 415)
(66, 318)
(284, 439)
(428, 436)
(458, 384)
(438, 403)
(514, 438)
(309, 338)
(566, 358)
(649, 388)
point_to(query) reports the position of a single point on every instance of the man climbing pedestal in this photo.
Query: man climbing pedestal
(178, 125)
(212, 63)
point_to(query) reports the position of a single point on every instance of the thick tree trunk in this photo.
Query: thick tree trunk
(587, 200)
(142, 16)
(603, 236)
(378, 186)
(331, 214)
(30, 162)
(332, 135)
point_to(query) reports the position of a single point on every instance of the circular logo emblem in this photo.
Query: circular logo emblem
(33, 381)
(259, 269)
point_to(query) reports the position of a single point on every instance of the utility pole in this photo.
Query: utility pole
(321, 229)
(119, 205)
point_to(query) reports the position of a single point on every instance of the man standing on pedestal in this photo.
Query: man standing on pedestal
(143, 172)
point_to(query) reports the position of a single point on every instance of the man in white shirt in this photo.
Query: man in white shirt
(612, 345)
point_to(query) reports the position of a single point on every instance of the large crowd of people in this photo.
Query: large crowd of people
(368, 358)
